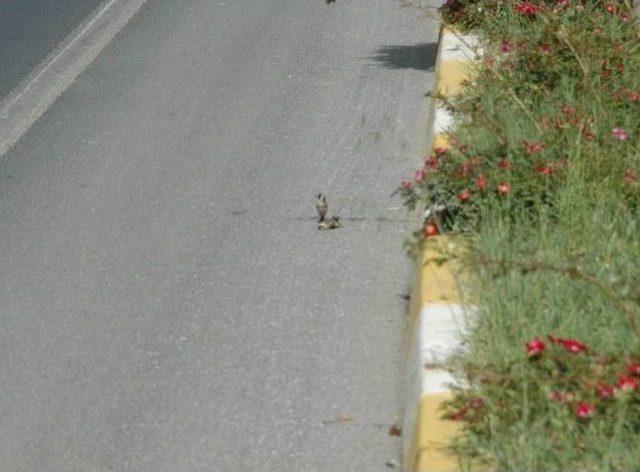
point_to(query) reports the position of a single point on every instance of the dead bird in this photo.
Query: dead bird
(322, 207)
(330, 223)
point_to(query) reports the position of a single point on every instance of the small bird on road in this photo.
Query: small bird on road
(321, 207)
(330, 223)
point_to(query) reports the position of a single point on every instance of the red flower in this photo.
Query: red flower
(430, 229)
(545, 48)
(619, 133)
(545, 170)
(634, 368)
(419, 175)
(534, 347)
(464, 196)
(630, 176)
(585, 410)
(533, 147)
(506, 46)
(481, 183)
(504, 188)
(406, 184)
(431, 162)
(504, 164)
(627, 383)
(610, 8)
(527, 9)
(440, 151)
(605, 391)
(573, 346)
(624, 18)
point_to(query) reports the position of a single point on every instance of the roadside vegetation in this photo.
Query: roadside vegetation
(542, 179)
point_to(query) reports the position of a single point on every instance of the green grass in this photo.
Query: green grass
(559, 253)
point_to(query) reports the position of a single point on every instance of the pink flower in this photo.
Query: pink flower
(624, 18)
(605, 391)
(619, 133)
(610, 8)
(527, 9)
(634, 368)
(430, 229)
(418, 176)
(464, 196)
(406, 184)
(627, 383)
(545, 48)
(431, 162)
(481, 183)
(585, 410)
(573, 346)
(504, 188)
(534, 347)
(504, 164)
(506, 46)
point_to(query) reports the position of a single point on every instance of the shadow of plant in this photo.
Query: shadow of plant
(413, 56)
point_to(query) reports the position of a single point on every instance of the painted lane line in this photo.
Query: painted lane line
(39, 90)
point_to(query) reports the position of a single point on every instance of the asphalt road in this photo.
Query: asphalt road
(31, 29)
(166, 303)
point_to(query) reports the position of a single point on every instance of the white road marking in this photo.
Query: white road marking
(40, 89)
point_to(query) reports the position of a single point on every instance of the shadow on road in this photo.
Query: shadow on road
(413, 56)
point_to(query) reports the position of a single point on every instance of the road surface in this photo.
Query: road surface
(166, 301)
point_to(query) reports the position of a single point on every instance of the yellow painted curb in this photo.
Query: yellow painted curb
(441, 140)
(450, 77)
(435, 296)
(434, 435)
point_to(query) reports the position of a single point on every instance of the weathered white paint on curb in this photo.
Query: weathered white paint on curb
(441, 328)
(459, 47)
(443, 120)
(35, 94)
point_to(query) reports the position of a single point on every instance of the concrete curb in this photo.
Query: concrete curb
(436, 314)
